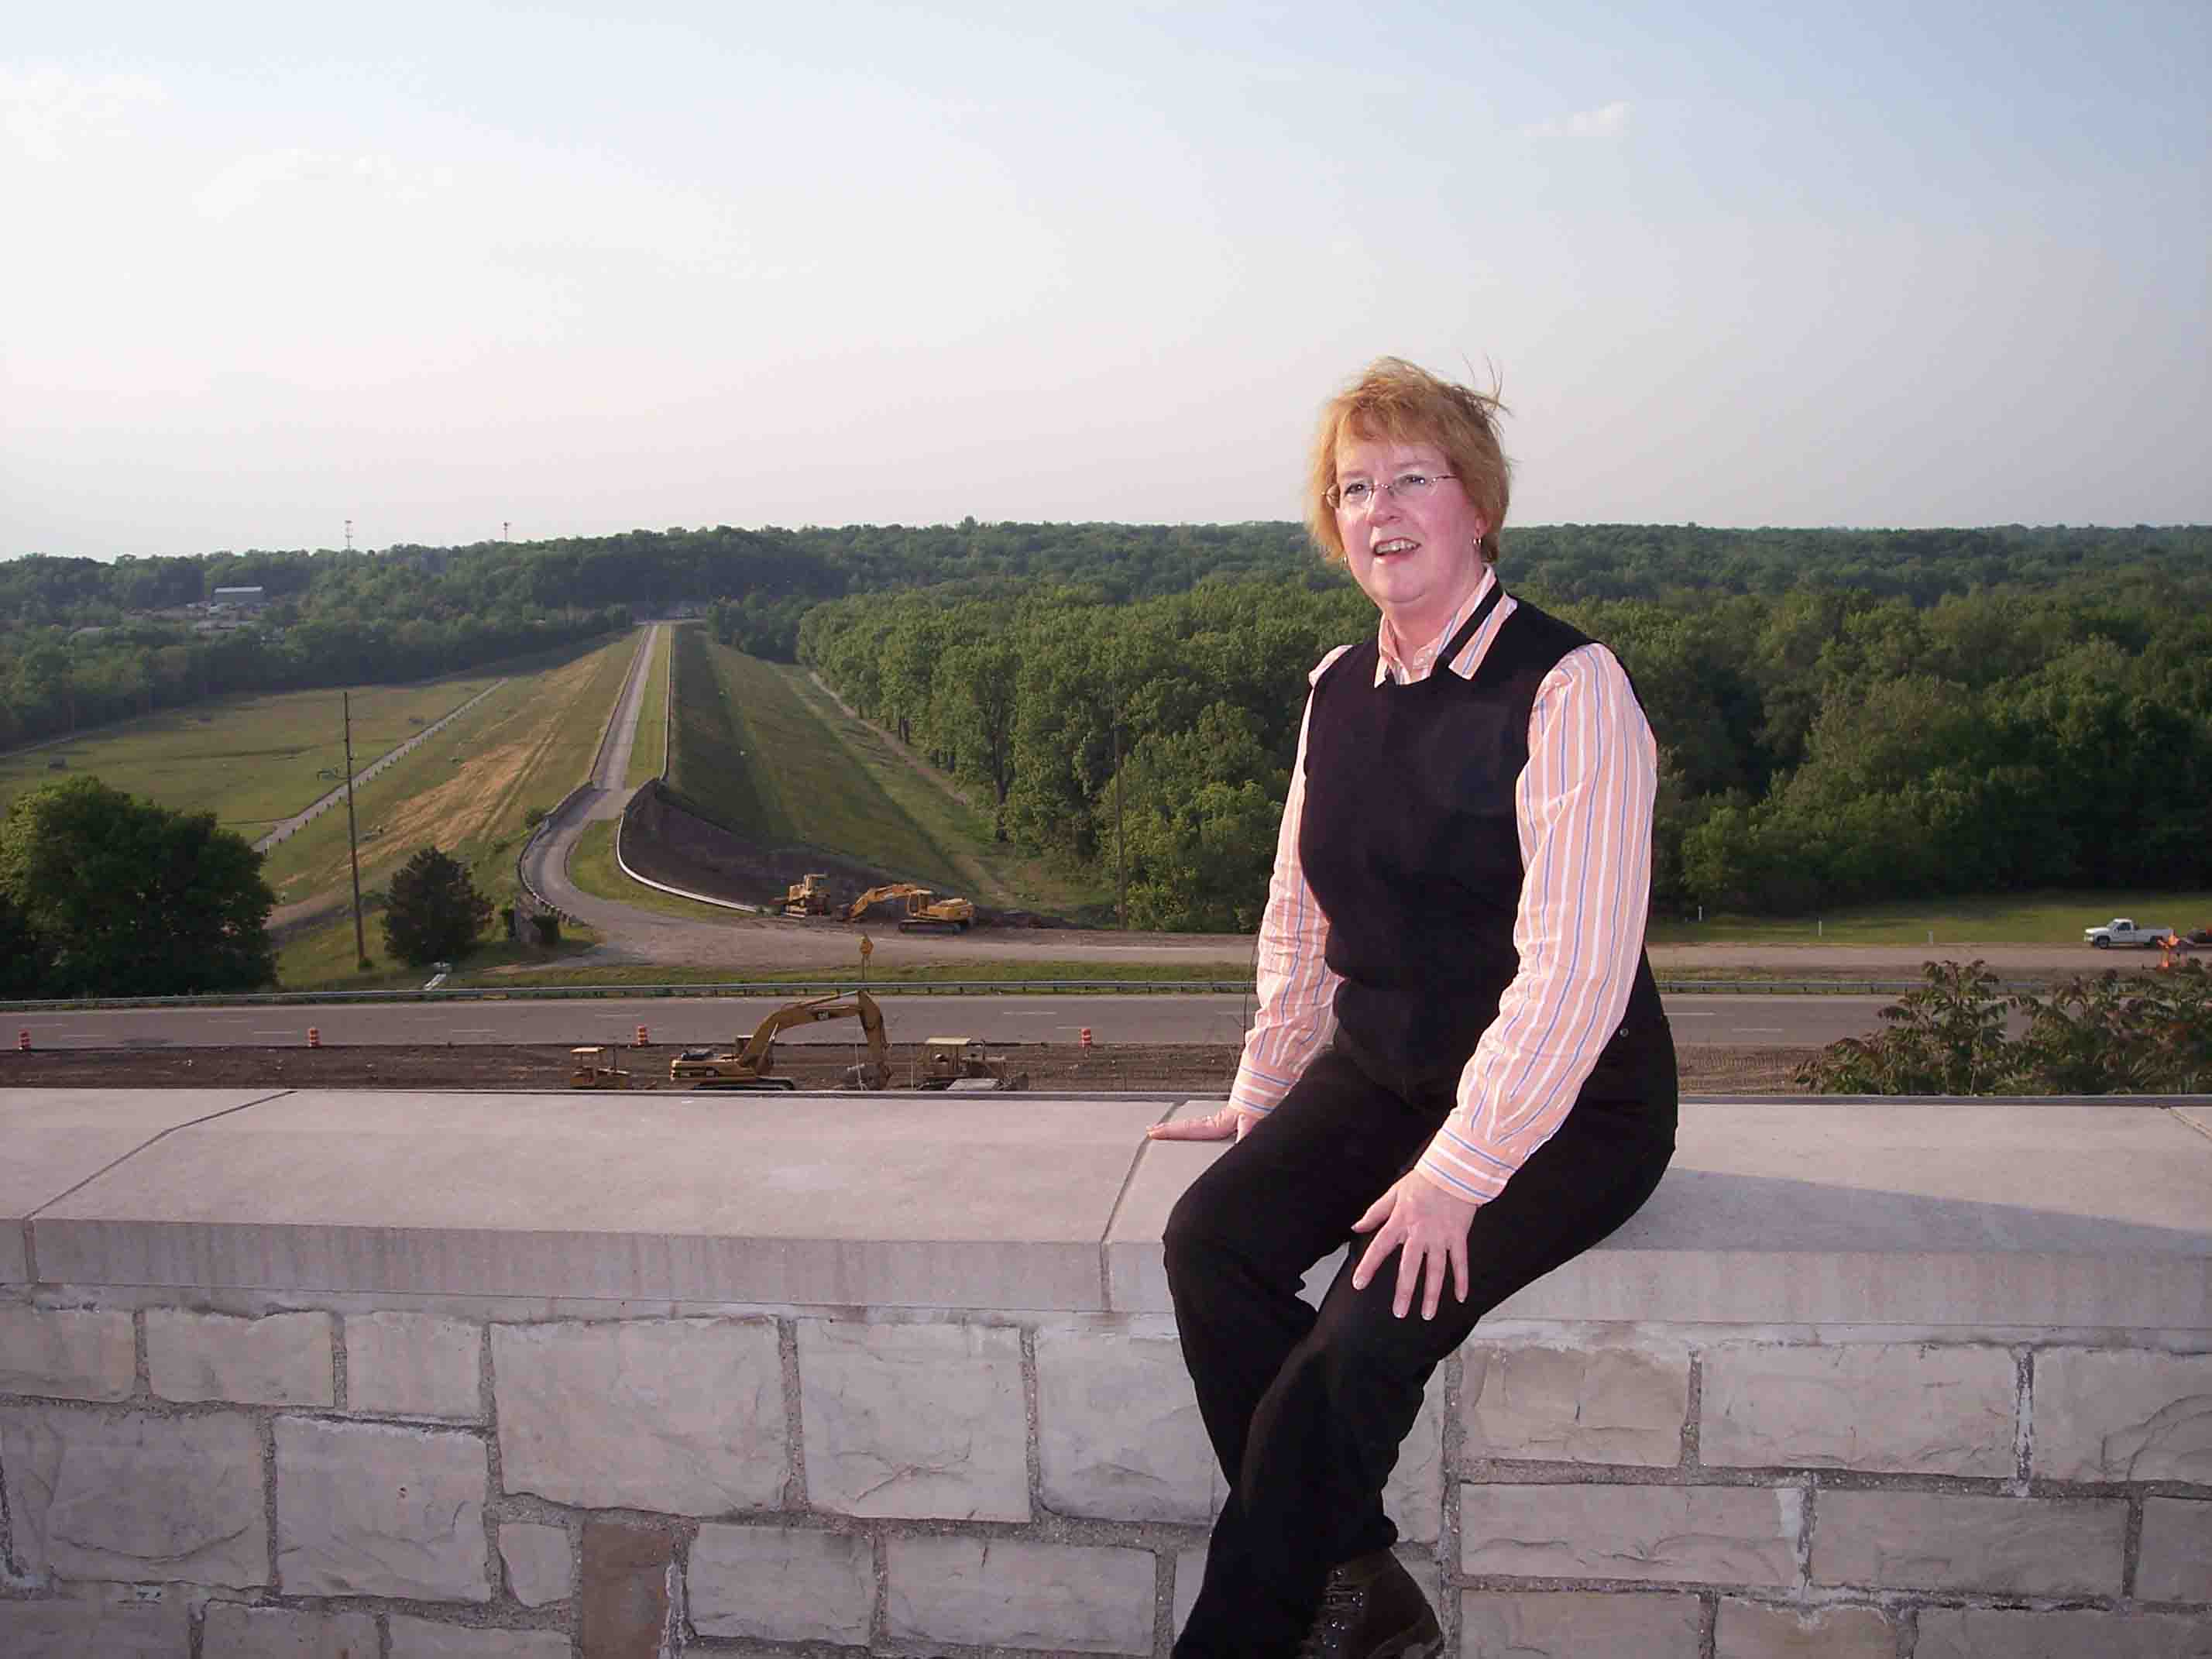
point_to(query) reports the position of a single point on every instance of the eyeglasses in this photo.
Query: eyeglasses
(1359, 495)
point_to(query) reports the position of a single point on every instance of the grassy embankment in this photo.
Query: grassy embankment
(757, 747)
(760, 748)
(468, 792)
(251, 760)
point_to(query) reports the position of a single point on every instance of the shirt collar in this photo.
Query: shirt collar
(1390, 665)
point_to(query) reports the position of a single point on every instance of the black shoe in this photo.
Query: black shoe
(1372, 1609)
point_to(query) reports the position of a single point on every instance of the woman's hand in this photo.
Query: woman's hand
(1427, 1226)
(1226, 1124)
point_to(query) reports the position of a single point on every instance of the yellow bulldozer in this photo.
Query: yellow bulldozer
(961, 1063)
(925, 912)
(751, 1065)
(599, 1066)
(808, 897)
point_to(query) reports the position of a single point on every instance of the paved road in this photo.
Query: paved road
(1707, 1021)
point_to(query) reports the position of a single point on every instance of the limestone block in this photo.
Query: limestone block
(1612, 1404)
(2176, 1563)
(1900, 1408)
(1572, 1625)
(2123, 1415)
(540, 1559)
(240, 1632)
(1413, 1497)
(1063, 1598)
(1118, 1431)
(1968, 1541)
(915, 1421)
(1659, 1534)
(1750, 1630)
(628, 1592)
(782, 1584)
(413, 1365)
(1189, 1574)
(74, 1629)
(71, 1353)
(135, 1498)
(423, 1639)
(279, 1359)
(2003, 1633)
(373, 1509)
(680, 1416)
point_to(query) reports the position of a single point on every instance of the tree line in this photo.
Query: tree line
(1844, 714)
(83, 641)
(1818, 746)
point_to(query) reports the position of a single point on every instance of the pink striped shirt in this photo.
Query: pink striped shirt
(1583, 807)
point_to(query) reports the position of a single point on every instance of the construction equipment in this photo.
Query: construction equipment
(2176, 946)
(751, 1065)
(925, 912)
(808, 897)
(598, 1068)
(960, 1064)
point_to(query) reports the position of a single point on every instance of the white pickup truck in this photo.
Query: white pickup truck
(2120, 930)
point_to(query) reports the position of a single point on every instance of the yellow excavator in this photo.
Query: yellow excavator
(925, 912)
(751, 1066)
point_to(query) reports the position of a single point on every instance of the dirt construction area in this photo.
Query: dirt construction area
(1189, 1068)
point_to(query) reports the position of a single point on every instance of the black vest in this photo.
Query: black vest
(1410, 844)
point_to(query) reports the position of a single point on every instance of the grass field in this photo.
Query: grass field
(322, 958)
(2045, 918)
(648, 754)
(251, 761)
(467, 791)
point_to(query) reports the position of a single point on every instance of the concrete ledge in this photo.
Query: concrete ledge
(1896, 1213)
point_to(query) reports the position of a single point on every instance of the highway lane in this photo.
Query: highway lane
(1717, 1020)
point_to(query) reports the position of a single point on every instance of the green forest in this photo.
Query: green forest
(1843, 716)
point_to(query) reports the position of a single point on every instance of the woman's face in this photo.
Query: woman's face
(1414, 555)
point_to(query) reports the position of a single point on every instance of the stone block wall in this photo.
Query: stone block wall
(239, 1473)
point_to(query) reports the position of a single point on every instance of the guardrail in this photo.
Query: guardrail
(788, 988)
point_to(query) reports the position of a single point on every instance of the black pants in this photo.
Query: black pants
(1306, 1410)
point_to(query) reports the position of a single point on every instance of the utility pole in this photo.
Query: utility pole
(353, 839)
(348, 535)
(505, 526)
(1120, 856)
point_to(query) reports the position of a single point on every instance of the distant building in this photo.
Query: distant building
(240, 599)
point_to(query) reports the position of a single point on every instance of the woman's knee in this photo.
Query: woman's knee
(1194, 1233)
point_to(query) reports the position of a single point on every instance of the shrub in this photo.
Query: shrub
(2110, 1034)
(434, 912)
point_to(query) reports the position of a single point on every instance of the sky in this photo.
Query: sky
(459, 271)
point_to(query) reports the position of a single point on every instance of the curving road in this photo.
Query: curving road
(545, 861)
